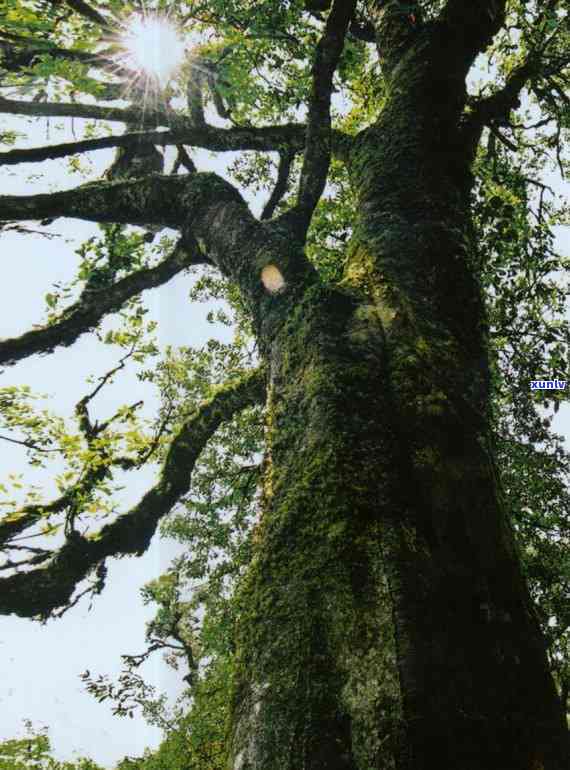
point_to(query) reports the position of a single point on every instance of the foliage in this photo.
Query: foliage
(527, 290)
(35, 751)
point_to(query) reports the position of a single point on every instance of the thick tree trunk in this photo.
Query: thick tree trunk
(384, 551)
(372, 567)
(477, 692)
(316, 656)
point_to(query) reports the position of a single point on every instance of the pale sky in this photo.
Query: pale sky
(40, 665)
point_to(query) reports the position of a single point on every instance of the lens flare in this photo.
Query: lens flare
(153, 46)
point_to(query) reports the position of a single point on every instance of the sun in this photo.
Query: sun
(153, 45)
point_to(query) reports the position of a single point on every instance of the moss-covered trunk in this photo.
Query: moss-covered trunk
(316, 663)
(477, 693)
(385, 620)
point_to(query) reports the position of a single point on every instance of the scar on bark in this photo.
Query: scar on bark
(272, 279)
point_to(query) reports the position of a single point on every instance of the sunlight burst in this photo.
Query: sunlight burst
(153, 46)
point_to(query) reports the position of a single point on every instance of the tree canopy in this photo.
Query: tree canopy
(288, 91)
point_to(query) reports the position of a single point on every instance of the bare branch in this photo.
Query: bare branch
(89, 429)
(28, 444)
(94, 112)
(85, 314)
(267, 139)
(15, 228)
(318, 141)
(30, 562)
(38, 593)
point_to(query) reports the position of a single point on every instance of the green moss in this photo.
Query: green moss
(310, 605)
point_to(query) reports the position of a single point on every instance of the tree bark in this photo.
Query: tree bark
(384, 621)
(477, 692)
(384, 544)
(316, 654)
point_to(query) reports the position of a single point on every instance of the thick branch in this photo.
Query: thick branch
(469, 27)
(149, 200)
(318, 142)
(202, 204)
(85, 314)
(40, 592)
(497, 106)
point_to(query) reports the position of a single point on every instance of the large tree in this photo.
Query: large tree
(383, 618)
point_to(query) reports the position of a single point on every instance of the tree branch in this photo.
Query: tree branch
(183, 159)
(183, 131)
(90, 112)
(85, 314)
(80, 493)
(265, 139)
(201, 205)
(363, 31)
(38, 593)
(318, 140)
(14, 524)
(31, 47)
(14, 59)
(285, 162)
(496, 107)
(148, 200)
(469, 27)
(19, 52)
(89, 13)
(29, 444)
